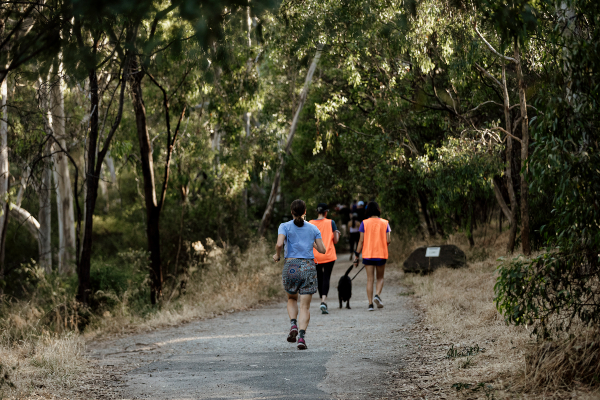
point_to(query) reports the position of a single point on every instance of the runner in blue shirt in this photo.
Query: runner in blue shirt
(299, 272)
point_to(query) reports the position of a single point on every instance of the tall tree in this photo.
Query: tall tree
(62, 176)
(266, 218)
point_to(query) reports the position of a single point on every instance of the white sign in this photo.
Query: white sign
(432, 252)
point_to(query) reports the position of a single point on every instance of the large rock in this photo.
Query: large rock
(450, 256)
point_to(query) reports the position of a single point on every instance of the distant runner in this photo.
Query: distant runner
(360, 210)
(299, 273)
(353, 227)
(375, 238)
(330, 236)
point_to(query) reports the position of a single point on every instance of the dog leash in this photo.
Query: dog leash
(358, 271)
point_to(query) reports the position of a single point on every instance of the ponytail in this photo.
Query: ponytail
(299, 222)
(298, 209)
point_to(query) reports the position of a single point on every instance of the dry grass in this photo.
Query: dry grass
(225, 281)
(45, 362)
(49, 365)
(459, 313)
(562, 365)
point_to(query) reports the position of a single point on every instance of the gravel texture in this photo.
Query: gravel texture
(245, 355)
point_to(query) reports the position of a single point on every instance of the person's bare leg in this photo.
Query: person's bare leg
(292, 306)
(370, 280)
(304, 317)
(323, 298)
(380, 272)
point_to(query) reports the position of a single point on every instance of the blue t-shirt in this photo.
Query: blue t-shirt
(299, 240)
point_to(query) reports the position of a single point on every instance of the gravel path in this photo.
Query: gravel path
(245, 355)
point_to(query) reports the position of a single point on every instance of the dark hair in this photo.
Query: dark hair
(298, 209)
(372, 209)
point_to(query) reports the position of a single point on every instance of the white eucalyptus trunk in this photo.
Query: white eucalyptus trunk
(25, 219)
(62, 180)
(3, 155)
(103, 185)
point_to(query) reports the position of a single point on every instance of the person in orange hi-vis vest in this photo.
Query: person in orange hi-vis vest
(330, 235)
(374, 241)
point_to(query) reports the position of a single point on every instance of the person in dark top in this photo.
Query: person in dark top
(353, 227)
(344, 213)
(360, 210)
(330, 236)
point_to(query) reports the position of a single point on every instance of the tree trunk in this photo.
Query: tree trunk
(423, 200)
(62, 179)
(471, 228)
(104, 189)
(110, 164)
(24, 218)
(3, 161)
(3, 230)
(503, 207)
(184, 190)
(91, 195)
(525, 240)
(45, 212)
(266, 219)
(509, 182)
(152, 209)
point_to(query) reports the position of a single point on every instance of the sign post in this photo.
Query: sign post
(432, 252)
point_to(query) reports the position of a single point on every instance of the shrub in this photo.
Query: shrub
(550, 292)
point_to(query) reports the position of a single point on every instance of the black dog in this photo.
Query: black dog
(345, 288)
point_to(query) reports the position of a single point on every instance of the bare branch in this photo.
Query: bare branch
(484, 103)
(168, 162)
(491, 48)
(117, 120)
(528, 105)
(486, 73)
(507, 133)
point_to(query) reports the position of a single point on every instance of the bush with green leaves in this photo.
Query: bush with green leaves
(561, 288)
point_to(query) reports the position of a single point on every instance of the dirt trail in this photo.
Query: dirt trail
(245, 355)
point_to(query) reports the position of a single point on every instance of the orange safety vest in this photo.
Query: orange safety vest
(324, 226)
(375, 238)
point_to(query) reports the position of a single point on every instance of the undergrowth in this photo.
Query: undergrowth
(515, 363)
(42, 339)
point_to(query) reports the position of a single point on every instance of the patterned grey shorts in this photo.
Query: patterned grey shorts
(299, 276)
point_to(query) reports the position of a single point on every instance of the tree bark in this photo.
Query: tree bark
(503, 207)
(423, 200)
(91, 183)
(152, 209)
(509, 156)
(471, 227)
(4, 172)
(24, 218)
(45, 212)
(3, 230)
(62, 179)
(266, 219)
(525, 239)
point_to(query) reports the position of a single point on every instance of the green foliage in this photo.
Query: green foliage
(549, 292)
(559, 289)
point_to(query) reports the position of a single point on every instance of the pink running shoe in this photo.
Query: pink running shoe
(302, 344)
(292, 335)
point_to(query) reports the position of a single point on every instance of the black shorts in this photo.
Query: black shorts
(377, 263)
